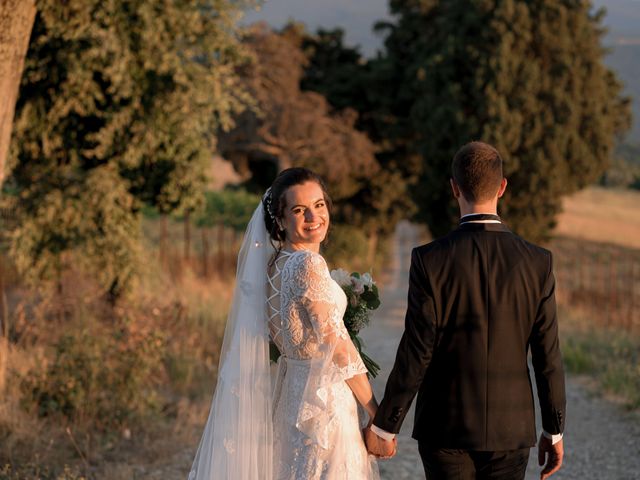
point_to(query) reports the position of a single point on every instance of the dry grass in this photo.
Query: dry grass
(602, 215)
(597, 263)
(608, 355)
(187, 309)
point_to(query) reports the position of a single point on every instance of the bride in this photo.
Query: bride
(302, 424)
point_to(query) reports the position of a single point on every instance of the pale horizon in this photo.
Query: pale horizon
(357, 18)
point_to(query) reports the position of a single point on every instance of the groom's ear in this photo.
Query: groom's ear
(454, 188)
(503, 187)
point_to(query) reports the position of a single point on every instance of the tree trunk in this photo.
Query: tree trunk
(16, 22)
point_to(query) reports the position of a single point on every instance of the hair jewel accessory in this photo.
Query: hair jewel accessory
(267, 200)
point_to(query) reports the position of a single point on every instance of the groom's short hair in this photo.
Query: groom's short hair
(477, 170)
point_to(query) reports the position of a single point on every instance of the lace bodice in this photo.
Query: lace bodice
(305, 305)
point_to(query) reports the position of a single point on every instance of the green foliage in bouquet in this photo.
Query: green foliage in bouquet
(362, 298)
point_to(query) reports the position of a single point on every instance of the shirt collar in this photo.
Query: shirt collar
(480, 218)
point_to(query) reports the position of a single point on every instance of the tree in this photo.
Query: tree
(16, 21)
(300, 128)
(525, 76)
(118, 106)
(292, 127)
(348, 80)
(335, 70)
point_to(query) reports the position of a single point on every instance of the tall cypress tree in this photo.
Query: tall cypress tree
(119, 105)
(526, 76)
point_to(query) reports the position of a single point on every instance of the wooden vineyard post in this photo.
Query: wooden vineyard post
(580, 256)
(221, 249)
(236, 240)
(592, 282)
(163, 240)
(602, 310)
(4, 309)
(205, 252)
(632, 289)
(613, 288)
(187, 236)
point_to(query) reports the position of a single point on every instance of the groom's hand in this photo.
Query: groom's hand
(553, 453)
(379, 447)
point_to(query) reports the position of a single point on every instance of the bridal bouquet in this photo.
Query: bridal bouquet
(362, 299)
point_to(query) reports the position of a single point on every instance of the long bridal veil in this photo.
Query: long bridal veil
(237, 439)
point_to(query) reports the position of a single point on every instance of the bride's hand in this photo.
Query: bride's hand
(383, 449)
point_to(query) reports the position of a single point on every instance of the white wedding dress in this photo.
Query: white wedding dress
(301, 422)
(316, 429)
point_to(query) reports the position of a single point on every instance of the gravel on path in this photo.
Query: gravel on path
(601, 440)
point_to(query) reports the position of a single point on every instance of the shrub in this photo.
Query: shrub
(103, 375)
(232, 208)
(346, 247)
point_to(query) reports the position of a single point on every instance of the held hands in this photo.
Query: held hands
(379, 447)
(554, 454)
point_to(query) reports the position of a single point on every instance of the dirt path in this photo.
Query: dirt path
(601, 441)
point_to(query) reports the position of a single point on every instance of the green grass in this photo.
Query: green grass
(609, 356)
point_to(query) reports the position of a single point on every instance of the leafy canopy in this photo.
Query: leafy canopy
(525, 76)
(118, 107)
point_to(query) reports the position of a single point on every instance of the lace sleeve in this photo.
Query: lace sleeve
(317, 294)
(307, 280)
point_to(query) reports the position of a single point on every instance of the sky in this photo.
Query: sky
(357, 17)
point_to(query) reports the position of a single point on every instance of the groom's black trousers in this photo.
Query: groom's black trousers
(448, 464)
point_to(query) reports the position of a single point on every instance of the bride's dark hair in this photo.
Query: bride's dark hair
(274, 202)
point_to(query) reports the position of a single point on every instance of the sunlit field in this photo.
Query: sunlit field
(602, 215)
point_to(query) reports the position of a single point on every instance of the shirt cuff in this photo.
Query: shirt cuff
(554, 438)
(383, 433)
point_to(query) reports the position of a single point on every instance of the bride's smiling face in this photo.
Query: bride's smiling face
(305, 217)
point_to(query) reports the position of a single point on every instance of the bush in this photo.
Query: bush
(232, 208)
(102, 375)
(346, 247)
(191, 358)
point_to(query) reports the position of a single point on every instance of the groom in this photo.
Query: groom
(479, 299)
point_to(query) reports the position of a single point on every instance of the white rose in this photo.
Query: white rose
(341, 277)
(358, 285)
(367, 280)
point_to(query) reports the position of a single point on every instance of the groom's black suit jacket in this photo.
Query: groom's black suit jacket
(479, 299)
